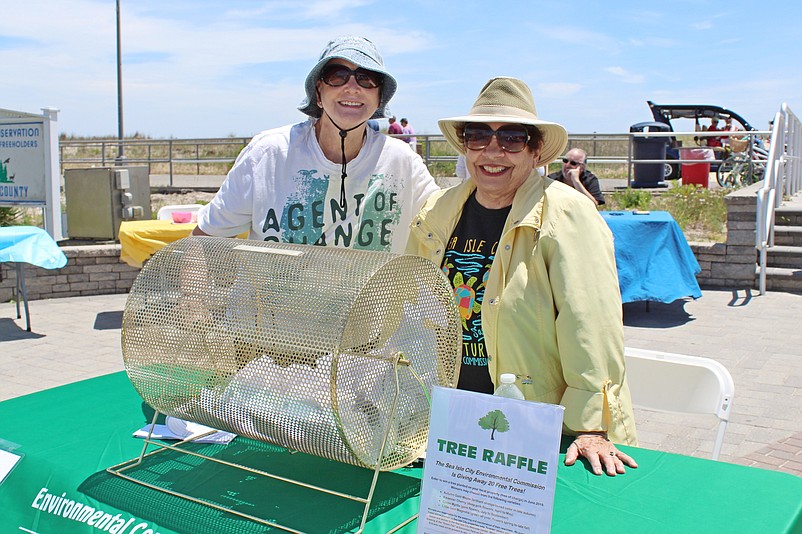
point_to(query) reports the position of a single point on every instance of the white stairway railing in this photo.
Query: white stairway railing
(783, 177)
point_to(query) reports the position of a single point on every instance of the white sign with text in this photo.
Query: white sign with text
(491, 464)
(29, 164)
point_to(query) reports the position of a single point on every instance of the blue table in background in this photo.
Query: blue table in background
(654, 261)
(28, 244)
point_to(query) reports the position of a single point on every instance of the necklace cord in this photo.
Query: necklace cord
(343, 135)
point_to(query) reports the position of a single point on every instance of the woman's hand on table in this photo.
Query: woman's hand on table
(600, 452)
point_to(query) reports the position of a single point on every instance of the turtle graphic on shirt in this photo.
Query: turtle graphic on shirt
(466, 297)
(447, 266)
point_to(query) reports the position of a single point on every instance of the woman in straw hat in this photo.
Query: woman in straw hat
(329, 180)
(533, 269)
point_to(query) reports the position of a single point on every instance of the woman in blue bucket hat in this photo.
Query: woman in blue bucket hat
(329, 180)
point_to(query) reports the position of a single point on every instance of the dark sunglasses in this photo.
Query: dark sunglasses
(572, 162)
(338, 75)
(510, 137)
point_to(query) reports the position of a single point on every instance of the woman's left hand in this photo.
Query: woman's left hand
(600, 452)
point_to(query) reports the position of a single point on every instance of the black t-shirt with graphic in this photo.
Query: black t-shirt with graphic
(469, 254)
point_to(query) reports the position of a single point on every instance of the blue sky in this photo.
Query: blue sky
(213, 68)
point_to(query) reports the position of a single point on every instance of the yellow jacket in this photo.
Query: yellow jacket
(552, 307)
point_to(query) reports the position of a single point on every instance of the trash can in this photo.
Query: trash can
(696, 173)
(649, 174)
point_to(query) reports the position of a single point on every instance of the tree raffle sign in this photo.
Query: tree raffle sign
(491, 464)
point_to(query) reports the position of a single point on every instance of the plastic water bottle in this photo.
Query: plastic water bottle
(507, 388)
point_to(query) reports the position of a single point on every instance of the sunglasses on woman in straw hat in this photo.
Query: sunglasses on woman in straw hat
(511, 138)
(505, 100)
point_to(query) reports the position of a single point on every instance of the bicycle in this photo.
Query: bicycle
(744, 166)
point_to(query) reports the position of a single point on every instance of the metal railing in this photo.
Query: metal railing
(783, 170)
(216, 155)
(783, 176)
(162, 156)
(615, 150)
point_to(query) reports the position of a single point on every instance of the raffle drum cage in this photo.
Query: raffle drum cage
(327, 351)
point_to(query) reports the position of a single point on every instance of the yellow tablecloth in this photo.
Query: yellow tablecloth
(142, 239)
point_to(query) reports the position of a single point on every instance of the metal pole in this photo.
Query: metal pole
(120, 155)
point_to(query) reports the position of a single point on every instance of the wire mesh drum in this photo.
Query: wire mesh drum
(302, 346)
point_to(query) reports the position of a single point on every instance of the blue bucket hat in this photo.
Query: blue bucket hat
(362, 53)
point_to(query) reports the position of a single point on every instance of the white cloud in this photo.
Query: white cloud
(294, 10)
(578, 35)
(557, 89)
(624, 75)
(213, 67)
(654, 42)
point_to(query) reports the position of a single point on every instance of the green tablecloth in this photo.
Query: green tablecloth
(69, 435)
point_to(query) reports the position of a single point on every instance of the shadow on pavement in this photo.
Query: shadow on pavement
(10, 331)
(112, 320)
(656, 314)
(737, 300)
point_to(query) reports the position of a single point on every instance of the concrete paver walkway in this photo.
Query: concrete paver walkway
(758, 338)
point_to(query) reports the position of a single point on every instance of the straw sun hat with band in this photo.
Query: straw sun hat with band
(508, 100)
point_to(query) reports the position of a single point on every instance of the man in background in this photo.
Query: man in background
(714, 142)
(574, 173)
(395, 128)
(725, 140)
(407, 128)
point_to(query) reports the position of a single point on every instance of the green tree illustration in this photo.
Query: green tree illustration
(495, 421)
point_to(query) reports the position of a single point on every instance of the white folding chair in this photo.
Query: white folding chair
(164, 212)
(678, 383)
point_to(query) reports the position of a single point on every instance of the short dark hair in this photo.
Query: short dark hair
(535, 135)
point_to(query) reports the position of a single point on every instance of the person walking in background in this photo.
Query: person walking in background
(395, 128)
(330, 180)
(714, 142)
(534, 265)
(462, 168)
(574, 173)
(410, 138)
(725, 140)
